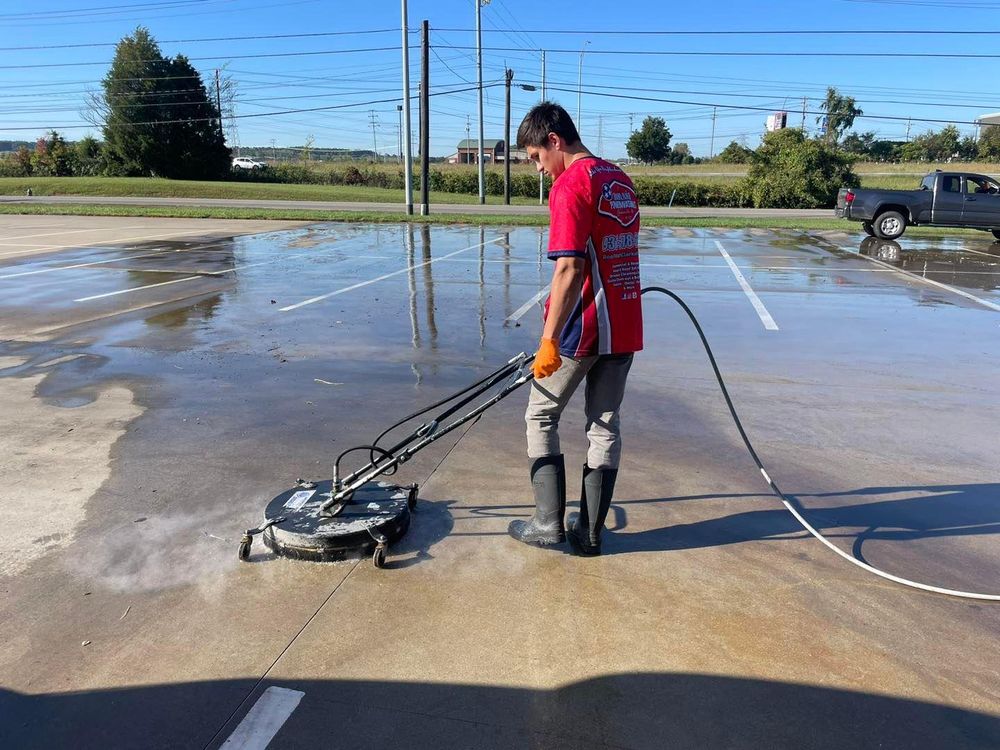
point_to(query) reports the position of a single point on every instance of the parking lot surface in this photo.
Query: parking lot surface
(161, 381)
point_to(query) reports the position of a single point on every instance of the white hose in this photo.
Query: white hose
(872, 569)
(781, 495)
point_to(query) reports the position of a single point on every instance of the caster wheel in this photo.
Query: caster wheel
(411, 500)
(245, 549)
(378, 556)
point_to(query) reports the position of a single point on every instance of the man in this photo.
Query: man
(593, 325)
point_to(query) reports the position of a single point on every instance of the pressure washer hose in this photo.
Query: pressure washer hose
(781, 496)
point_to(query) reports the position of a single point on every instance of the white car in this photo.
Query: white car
(243, 162)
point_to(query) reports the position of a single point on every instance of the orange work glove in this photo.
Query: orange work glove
(547, 359)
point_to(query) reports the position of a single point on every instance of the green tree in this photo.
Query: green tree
(87, 157)
(734, 153)
(968, 148)
(651, 142)
(840, 114)
(989, 143)
(942, 145)
(792, 171)
(158, 117)
(22, 160)
(51, 157)
(860, 144)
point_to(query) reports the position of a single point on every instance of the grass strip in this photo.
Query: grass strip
(512, 220)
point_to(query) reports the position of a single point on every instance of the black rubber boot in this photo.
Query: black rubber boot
(548, 481)
(595, 501)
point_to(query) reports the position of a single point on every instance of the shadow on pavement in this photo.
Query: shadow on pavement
(952, 510)
(631, 710)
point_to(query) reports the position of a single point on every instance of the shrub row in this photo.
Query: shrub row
(652, 191)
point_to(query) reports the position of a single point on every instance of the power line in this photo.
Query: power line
(216, 57)
(772, 96)
(109, 8)
(758, 109)
(747, 32)
(716, 53)
(145, 18)
(259, 114)
(212, 39)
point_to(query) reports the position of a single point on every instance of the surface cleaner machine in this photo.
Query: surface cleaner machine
(361, 514)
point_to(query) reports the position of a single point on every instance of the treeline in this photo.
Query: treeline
(53, 156)
(157, 120)
(943, 145)
(946, 144)
(789, 170)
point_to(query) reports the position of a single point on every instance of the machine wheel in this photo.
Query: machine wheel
(378, 556)
(245, 549)
(869, 229)
(411, 499)
(889, 225)
(996, 233)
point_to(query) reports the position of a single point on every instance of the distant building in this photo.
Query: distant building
(985, 121)
(777, 121)
(493, 151)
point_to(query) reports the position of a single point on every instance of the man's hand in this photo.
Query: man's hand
(547, 359)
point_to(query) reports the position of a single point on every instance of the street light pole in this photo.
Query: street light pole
(579, 92)
(479, 67)
(541, 175)
(407, 153)
(509, 75)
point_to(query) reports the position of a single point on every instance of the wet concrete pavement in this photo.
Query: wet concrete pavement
(150, 422)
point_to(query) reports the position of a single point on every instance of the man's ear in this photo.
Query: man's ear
(554, 141)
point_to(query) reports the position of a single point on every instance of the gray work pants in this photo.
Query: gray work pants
(606, 376)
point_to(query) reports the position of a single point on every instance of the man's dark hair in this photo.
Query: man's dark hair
(543, 119)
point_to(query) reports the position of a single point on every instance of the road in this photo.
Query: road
(443, 208)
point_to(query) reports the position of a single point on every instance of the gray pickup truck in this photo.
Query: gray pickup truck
(945, 199)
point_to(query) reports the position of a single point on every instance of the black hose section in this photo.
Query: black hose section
(372, 450)
(502, 372)
(718, 376)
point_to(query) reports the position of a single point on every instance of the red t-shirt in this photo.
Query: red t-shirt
(595, 216)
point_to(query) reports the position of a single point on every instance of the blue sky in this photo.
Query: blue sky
(38, 98)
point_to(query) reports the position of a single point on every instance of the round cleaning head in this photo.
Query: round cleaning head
(377, 516)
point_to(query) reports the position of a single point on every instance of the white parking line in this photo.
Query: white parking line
(762, 313)
(938, 284)
(384, 277)
(523, 309)
(136, 289)
(157, 251)
(110, 243)
(5, 240)
(810, 269)
(264, 720)
(202, 274)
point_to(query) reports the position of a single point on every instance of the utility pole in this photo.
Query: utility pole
(908, 123)
(425, 119)
(479, 68)
(274, 152)
(600, 134)
(399, 131)
(373, 119)
(509, 76)
(631, 129)
(579, 92)
(711, 148)
(468, 139)
(541, 175)
(218, 100)
(405, 151)
(805, 102)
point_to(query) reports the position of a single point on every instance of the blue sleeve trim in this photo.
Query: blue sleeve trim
(554, 254)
